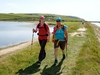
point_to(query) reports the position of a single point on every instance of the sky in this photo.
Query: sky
(86, 9)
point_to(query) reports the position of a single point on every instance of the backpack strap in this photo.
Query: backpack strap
(55, 28)
(38, 26)
(44, 26)
(63, 27)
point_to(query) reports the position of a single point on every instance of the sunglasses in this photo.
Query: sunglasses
(58, 21)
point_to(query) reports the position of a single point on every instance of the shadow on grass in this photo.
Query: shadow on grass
(53, 70)
(29, 70)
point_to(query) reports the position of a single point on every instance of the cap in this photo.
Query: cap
(58, 19)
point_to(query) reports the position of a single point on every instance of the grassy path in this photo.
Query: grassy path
(63, 67)
(23, 62)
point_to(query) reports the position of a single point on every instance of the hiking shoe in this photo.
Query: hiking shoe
(63, 57)
(55, 62)
(38, 63)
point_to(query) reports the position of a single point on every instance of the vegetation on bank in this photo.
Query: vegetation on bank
(35, 17)
(88, 61)
(83, 57)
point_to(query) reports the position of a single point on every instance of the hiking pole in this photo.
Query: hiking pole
(66, 50)
(32, 41)
(31, 44)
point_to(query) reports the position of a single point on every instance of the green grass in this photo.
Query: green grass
(34, 17)
(10, 64)
(72, 26)
(88, 61)
(83, 57)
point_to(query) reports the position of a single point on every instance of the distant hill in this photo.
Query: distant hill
(35, 17)
(74, 17)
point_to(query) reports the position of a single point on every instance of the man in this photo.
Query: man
(60, 38)
(43, 36)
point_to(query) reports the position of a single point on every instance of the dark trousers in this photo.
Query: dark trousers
(42, 53)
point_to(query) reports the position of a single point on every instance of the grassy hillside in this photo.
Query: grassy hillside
(35, 17)
(83, 57)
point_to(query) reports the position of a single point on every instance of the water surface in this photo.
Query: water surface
(15, 32)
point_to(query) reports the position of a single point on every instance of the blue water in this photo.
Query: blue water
(98, 24)
(12, 33)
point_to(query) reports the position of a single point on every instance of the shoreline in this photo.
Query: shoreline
(13, 48)
(13, 45)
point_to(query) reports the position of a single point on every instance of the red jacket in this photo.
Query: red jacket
(42, 31)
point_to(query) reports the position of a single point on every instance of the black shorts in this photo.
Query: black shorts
(60, 43)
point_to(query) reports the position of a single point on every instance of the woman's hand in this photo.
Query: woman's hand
(48, 38)
(34, 30)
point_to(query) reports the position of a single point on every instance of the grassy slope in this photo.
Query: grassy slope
(80, 59)
(34, 17)
(88, 61)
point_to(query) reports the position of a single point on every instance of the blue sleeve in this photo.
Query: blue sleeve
(65, 27)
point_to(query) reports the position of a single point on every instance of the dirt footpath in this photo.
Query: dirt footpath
(15, 48)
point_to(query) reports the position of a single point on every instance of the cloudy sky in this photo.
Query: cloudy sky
(86, 9)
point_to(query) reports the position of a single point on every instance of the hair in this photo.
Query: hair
(41, 18)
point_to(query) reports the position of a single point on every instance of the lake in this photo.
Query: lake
(12, 33)
(98, 24)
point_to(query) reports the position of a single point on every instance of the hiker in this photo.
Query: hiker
(82, 21)
(43, 36)
(59, 38)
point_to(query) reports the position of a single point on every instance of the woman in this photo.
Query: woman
(60, 38)
(43, 36)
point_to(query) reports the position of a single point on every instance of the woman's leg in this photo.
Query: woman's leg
(55, 52)
(62, 46)
(42, 53)
(56, 55)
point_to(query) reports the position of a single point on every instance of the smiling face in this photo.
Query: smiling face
(42, 19)
(58, 23)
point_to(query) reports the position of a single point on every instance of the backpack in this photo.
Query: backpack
(55, 28)
(38, 26)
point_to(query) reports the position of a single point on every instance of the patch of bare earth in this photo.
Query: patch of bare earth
(80, 32)
(11, 49)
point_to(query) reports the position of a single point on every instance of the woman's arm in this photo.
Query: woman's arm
(66, 34)
(48, 38)
(35, 30)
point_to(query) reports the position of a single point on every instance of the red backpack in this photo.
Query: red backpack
(38, 26)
